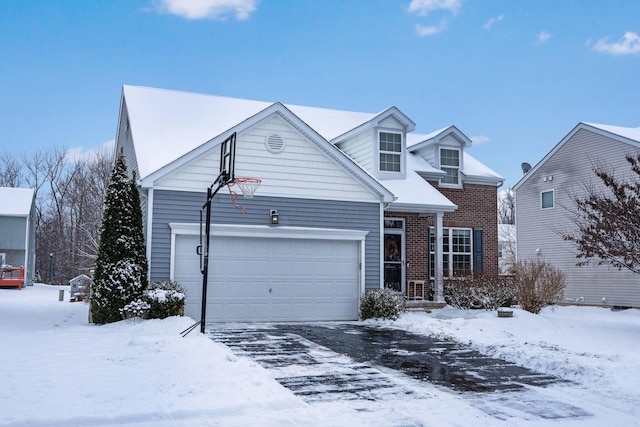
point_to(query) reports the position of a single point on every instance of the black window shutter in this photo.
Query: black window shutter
(478, 258)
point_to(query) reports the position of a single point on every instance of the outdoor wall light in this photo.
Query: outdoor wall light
(274, 217)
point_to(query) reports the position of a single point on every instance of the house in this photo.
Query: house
(17, 234)
(359, 196)
(543, 210)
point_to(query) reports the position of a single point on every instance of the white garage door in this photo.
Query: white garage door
(271, 279)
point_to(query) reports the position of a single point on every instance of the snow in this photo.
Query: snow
(16, 201)
(159, 117)
(57, 370)
(630, 133)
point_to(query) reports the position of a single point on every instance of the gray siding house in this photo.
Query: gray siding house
(331, 175)
(17, 230)
(543, 210)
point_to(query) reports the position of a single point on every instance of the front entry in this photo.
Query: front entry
(394, 254)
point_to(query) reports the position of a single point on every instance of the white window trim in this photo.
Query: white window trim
(448, 250)
(447, 184)
(553, 199)
(401, 153)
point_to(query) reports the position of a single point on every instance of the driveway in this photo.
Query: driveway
(323, 362)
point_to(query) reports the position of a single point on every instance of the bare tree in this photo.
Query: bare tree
(10, 171)
(69, 204)
(506, 207)
(608, 221)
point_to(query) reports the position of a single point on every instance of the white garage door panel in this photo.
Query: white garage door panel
(271, 279)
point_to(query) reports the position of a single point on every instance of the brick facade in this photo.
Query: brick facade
(477, 209)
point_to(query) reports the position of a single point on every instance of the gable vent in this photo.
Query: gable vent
(275, 143)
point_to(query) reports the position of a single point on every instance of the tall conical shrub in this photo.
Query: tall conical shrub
(121, 266)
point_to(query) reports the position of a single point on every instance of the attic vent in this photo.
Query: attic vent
(275, 143)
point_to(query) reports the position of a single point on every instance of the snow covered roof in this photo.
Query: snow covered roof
(630, 133)
(473, 168)
(160, 117)
(16, 201)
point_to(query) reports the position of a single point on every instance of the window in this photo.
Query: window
(390, 152)
(456, 252)
(546, 199)
(450, 164)
(3, 259)
(500, 248)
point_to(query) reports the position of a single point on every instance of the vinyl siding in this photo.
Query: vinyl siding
(571, 169)
(124, 142)
(301, 170)
(361, 149)
(184, 207)
(12, 233)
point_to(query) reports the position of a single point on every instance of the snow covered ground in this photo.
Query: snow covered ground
(57, 370)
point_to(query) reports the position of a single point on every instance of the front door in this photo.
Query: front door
(394, 255)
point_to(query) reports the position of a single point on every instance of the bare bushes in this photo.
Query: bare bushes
(536, 284)
(478, 291)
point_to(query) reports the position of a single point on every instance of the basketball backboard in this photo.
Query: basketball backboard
(227, 160)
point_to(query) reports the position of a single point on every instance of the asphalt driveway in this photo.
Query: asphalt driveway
(351, 361)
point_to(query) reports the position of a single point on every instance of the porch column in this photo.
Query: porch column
(438, 292)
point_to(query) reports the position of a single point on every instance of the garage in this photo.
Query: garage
(265, 275)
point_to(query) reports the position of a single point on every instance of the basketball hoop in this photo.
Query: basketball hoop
(248, 187)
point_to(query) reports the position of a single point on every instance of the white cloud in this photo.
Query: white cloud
(424, 7)
(543, 36)
(200, 9)
(80, 153)
(492, 21)
(429, 30)
(630, 44)
(480, 139)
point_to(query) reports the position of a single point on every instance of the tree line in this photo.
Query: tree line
(70, 193)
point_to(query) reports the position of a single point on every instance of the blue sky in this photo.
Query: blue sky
(515, 76)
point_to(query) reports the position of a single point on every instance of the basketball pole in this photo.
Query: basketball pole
(204, 251)
(225, 177)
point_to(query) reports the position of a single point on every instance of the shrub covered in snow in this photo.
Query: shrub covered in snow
(165, 299)
(478, 291)
(135, 310)
(121, 265)
(538, 283)
(382, 303)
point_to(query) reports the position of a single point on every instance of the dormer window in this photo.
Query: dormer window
(390, 151)
(450, 164)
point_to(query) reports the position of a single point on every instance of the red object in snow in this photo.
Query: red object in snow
(12, 276)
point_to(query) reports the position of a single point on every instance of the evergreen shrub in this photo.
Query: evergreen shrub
(382, 304)
(165, 299)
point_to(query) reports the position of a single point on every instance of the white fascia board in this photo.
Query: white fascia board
(420, 208)
(465, 141)
(482, 180)
(389, 112)
(273, 232)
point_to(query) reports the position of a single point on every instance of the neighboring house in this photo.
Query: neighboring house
(506, 248)
(357, 194)
(17, 230)
(544, 203)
